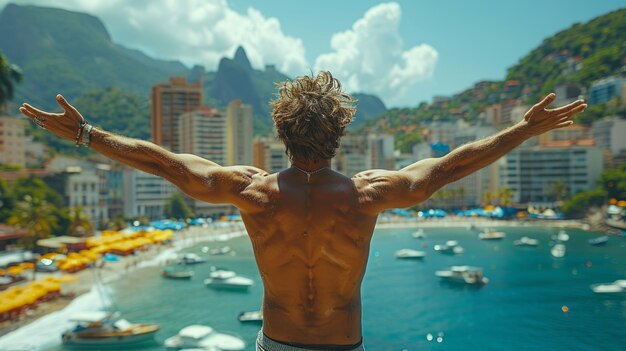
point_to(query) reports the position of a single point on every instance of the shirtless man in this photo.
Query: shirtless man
(310, 227)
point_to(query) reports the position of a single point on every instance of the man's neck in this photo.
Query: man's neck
(311, 166)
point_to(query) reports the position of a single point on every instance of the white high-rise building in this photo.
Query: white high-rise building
(83, 189)
(531, 171)
(239, 133)
(352, 156)
(358, 153)
(381, 151)
(203, 133)
(269, 155)
(610, 133)
(12, 147)
(145, 194)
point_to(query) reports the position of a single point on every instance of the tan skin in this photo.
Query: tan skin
(311, 239)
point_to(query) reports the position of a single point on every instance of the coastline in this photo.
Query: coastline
(465, 222)
(83, 294)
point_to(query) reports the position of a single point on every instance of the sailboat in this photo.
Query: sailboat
(100, 328)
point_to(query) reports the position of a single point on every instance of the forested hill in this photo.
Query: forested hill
(578, 55)
(70, 52)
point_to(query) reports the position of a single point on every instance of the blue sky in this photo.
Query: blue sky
(403, 51)
(476, 39)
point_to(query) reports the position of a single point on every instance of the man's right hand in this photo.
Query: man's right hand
(65, 125)
(539, 120)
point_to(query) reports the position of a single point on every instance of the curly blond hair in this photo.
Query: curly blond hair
(310, 115)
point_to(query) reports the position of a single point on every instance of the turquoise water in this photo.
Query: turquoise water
(520, 308)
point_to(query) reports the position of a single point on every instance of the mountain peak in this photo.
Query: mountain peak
(241, 58)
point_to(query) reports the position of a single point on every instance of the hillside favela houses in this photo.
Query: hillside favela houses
(64, 209)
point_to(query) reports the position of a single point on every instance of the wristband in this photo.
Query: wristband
(87, 135)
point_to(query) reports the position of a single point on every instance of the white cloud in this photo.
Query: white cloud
(370, 57)
(193, 31)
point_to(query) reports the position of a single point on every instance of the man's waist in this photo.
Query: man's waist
(279, 345)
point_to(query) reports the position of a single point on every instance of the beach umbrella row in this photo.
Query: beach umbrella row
(17, 300)
(17, 269)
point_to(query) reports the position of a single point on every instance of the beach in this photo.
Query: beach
(85, 283)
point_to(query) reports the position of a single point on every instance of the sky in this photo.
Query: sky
(405, 52)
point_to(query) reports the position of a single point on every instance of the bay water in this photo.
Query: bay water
(406, 307)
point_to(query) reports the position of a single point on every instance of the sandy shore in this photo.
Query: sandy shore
(86, 279)
(464, 222)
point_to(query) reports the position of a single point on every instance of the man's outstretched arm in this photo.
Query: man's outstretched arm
(197, 177)
(417, 182)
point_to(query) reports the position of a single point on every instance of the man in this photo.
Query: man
(310, 227)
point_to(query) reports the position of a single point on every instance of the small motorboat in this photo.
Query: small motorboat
(490, 234)
(526, 241)
(204, 338)
(191, 258)
(463, 274)
(100, 328)
(410, 254)
(451, 247)
(419, 234)
(251, 317)
(562, 236)
(219, 251)
(618, 286)
(227, 280)
(601, 240)
(558, 250)
(173, 273)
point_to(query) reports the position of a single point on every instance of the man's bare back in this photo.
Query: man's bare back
(310, 232)
(311, 245)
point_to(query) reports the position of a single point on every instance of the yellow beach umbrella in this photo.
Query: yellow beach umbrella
(15, 270)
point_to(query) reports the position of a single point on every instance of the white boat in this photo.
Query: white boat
(219, 251)
(100, 328)
(451, 247)
(229, 280)
(526, 241)
(204, 338)
(463, 274)
(490, 234)
(601, 240)
(410, 254)
(562, 236)
(191, 258)
(255, 317)
(558, 250)
(618, 286)
(419, 234)
(173, 273)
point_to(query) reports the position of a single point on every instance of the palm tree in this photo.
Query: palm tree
(488, 197)
(505, 196)
(36, 216)
(9, 74)
(557, 190)
(80, 224)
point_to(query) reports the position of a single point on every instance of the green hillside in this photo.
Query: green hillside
(368, 107)
(69, 52)
(578, 55)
